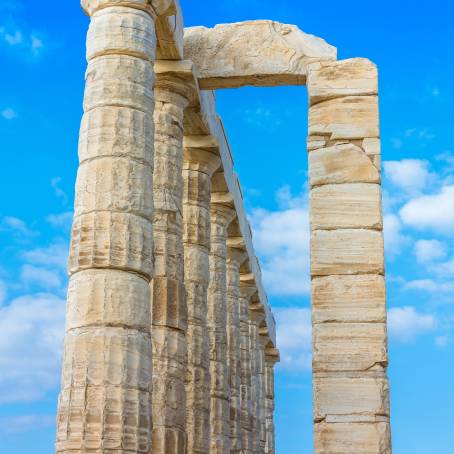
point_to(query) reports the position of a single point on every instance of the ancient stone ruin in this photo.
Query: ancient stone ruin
(170, 341)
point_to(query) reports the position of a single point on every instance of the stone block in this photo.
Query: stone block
(350, 396)
(342, 163)
(349, 346)
(119, 80)
(169, 440)
(111, 240)
(196, 229)
(109, 298)
(349, 251)
(351, 117)
(348, 299)
(117, 131)
(333, 79)
(196, 262)
(169, 400)
(346, 206)
(169, 304)
(169, 352)
(348, 438)
(199, 346)
(121, 30)
(107, 357)
(114, 184)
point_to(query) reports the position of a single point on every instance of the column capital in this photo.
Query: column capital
(221, 214)
(235, 254)
(272, 355)
(154, 7)
(177, 77)
(201, 160)
(248, 287)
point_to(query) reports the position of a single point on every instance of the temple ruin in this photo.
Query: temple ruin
(170, 342)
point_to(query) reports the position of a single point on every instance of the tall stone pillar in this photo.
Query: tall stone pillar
(169, 310)
(350, 385)
(199, 166)
(263, 340)
(235, 257)
(247, 290)
(256, 317)
(271, 358)
(221, 217)
(104, 404)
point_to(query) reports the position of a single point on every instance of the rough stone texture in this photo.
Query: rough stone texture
(343, 163)
(346, 206)
(350, 386)
(105, 401)
(199, 166)
(153, 7)
(260, 53)
(235, 258)
(271, 358)
(221, 217)
(169, 307)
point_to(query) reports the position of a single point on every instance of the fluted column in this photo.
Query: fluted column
(263, 340)
(221, 217)
(247, 290)
(104, 404)
(271, 358)
(199, 166)
(350, 359)
(169, 310)
(235, 257)
(256, 317)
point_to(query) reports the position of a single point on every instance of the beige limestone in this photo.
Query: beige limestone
(348, 251)
(334, 79)
(348, 299)
(346, 206)
(105, 400)
(221, 217)
(154, 7)
(199, 165)
(260, 53)
(350, 117)
(343, 163)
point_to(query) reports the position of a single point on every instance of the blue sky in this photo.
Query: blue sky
(41, 86)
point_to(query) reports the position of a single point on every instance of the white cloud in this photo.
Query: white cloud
(17, 226)
(3, 292)
(294, 338)
(446, 268)
(55, 254)
(55, 183)
(36, 275)
(410, 175)
(442, 341)
(61, 220)
(435, 212)
(429, 285)
(31, 335)
(26, 43)
(392, 231)
(25, 423)
(405, 323)
(429, 250)
(9, 113)
(282, 241)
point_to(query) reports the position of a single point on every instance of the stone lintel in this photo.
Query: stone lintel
(170, 33)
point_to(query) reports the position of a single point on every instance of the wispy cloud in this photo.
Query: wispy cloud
(55, 255)
(55, 183)
(8, 113)
(43, 277)
(405, 323)
(25, 423)
(16, 226)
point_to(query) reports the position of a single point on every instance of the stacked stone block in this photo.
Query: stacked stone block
(105, 400)
(350, 386)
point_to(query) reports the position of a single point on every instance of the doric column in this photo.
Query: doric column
(235, 257)
(256, 317)
(271, 358)
(169, 310)
(221, 217)
(350, 385)
(263, 340)
(104, 404)
(247, 290)
(199, 166)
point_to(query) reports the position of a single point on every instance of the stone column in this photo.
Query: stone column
(263, 340)
(199, 166)
(256, 317)
(104, 404)
(235, 257)
(169, 310)
(247, 290)
(221, 217)
(271, 358)
(350, 385)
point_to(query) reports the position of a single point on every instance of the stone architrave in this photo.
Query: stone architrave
(235, 258)
(222, 214)
(169, 310)
(105, 400)
(199, 165)
(350, 385)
